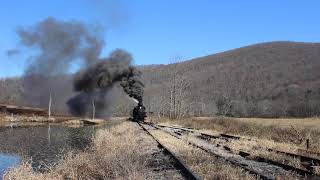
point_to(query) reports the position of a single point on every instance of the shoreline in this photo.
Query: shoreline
(7, 120)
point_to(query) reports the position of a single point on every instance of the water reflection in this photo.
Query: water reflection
(8, 161)
(43, 144)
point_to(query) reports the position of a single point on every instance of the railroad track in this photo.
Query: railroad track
(179, 164)
(307, 162)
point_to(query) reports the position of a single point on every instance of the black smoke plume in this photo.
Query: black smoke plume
(60, 45)
(94, 83)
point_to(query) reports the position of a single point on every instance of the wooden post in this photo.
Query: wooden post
(93, 109)
(49, 109)
(11, 120)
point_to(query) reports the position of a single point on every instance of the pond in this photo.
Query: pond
(7, 161)
(43, 145)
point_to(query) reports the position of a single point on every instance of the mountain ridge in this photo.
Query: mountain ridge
(263, 71)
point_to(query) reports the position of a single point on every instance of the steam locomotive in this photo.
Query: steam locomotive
(139, 113)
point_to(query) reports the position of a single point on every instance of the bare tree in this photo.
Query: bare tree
(224, 105)
(182, 86)
(178, 89)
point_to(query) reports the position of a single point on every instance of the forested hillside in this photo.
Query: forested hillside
(268, 79)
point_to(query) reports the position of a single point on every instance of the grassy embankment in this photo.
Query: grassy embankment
(116, 154)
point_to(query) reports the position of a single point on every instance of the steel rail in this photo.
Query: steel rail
(205, 136)
(184, 168)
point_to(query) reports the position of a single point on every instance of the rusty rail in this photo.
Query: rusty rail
(185, 170)
(307, 173)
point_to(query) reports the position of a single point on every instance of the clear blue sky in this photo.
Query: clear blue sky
(156, 31)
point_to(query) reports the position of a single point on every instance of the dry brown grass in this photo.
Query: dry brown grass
(279, 134)
(22, 118)
(306, 123)
(260, 149)
(204, 164)
(282, 132)
(116, 154)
